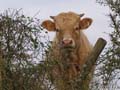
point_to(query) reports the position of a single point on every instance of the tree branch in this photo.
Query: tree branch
(89, 65)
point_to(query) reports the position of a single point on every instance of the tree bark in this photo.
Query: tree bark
(87, 70)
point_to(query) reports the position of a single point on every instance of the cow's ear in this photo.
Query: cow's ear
(49, 25)
(85, 23)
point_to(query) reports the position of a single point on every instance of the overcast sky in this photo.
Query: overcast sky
(47, 8)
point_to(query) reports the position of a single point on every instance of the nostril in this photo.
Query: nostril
(70, 41)
(67, 42)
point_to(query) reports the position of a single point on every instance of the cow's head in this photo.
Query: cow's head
(67, 27)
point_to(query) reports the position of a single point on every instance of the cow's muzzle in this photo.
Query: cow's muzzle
(68, 44)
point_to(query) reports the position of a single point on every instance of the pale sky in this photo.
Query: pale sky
(48, 8)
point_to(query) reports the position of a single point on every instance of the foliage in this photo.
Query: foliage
(110, 69)
(22, 46)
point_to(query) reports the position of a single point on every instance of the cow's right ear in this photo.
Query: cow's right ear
(49, 25)
(85, 23)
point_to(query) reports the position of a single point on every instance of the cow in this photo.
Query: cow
(70, 42)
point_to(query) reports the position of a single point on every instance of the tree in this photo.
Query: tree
(21, 46)
(110, 69)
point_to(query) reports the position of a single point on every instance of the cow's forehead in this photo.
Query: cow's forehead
(65, 19)
(69, 14)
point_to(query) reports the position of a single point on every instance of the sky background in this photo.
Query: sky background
(48, 8)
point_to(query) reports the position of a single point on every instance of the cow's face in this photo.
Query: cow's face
(67, 27)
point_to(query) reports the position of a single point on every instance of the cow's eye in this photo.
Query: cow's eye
(77, 28)
(57, 30)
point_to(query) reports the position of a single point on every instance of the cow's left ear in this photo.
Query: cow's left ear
(49, 25)
(85, 23)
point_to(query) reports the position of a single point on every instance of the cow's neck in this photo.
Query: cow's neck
(70, 57)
